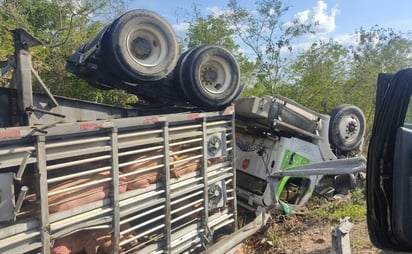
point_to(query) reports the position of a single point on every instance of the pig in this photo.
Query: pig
(143, 180)
(70, 199)
(184, 167)
(89, 241)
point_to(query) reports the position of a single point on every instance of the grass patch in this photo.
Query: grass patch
(352, 205)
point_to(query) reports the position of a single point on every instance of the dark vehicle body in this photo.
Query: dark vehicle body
(389, 164)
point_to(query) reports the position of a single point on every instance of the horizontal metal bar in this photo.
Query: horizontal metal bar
(192, 134)
(147, 232)
(77, 141)
(82, 220)
(186, 242)
(77, 162)
(63, 153)
(137, 151)
(91, 183)
(182, 191)
(17, 149)
(219, 174)
(79, 174)
(142, 171)
(17, 161)
(185, 233)
(333, 167)
(140, 194)
(141, 206)
(160, 156)
(100, 222)
(21, 237)
(187, 214)
(184, 142)
(218, 218)
(223, 223)
(153, 198)
(214, 123)
(18, 227)
(138, 142)
(219, 166)
(191, 149)
(181, 183)
(184, 127)
(140, 215)
(54, 217)
(138, 134)
(186, 197)
(22, 247)
(185, 159)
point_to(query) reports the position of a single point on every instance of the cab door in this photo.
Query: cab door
(389, 164)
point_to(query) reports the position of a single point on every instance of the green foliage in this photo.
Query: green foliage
(260, 30)
(217, 29)
(377, 50)
(274, 239)
(268, 38)
(353, 206)
(210, 30)
(317, 77)
(61, 26)
(321, 77)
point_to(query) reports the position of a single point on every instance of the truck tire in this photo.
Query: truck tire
(180, 72)
(141, 45)
(209, 76)
(347, 127)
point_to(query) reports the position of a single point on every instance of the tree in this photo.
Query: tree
(61, 26)
(267, 38)
(317, 76)
(217, 29)
(329, 74)
(377, 50)
(212, 29)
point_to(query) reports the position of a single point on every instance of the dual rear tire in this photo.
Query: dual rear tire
(209, 76)
(138, 52)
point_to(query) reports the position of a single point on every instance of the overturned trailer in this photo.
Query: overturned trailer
(79, 177)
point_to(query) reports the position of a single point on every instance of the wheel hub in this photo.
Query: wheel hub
(352, 127)
(142, 48)
(210, 75)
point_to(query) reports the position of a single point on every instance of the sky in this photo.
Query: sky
(338, 19)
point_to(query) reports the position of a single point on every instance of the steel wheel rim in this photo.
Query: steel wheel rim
(214, 75)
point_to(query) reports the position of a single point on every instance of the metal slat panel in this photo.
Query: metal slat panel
(71, 156)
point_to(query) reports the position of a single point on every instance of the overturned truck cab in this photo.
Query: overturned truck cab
(284, 150)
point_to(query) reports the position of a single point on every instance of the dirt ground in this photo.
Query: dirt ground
(306, 235)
